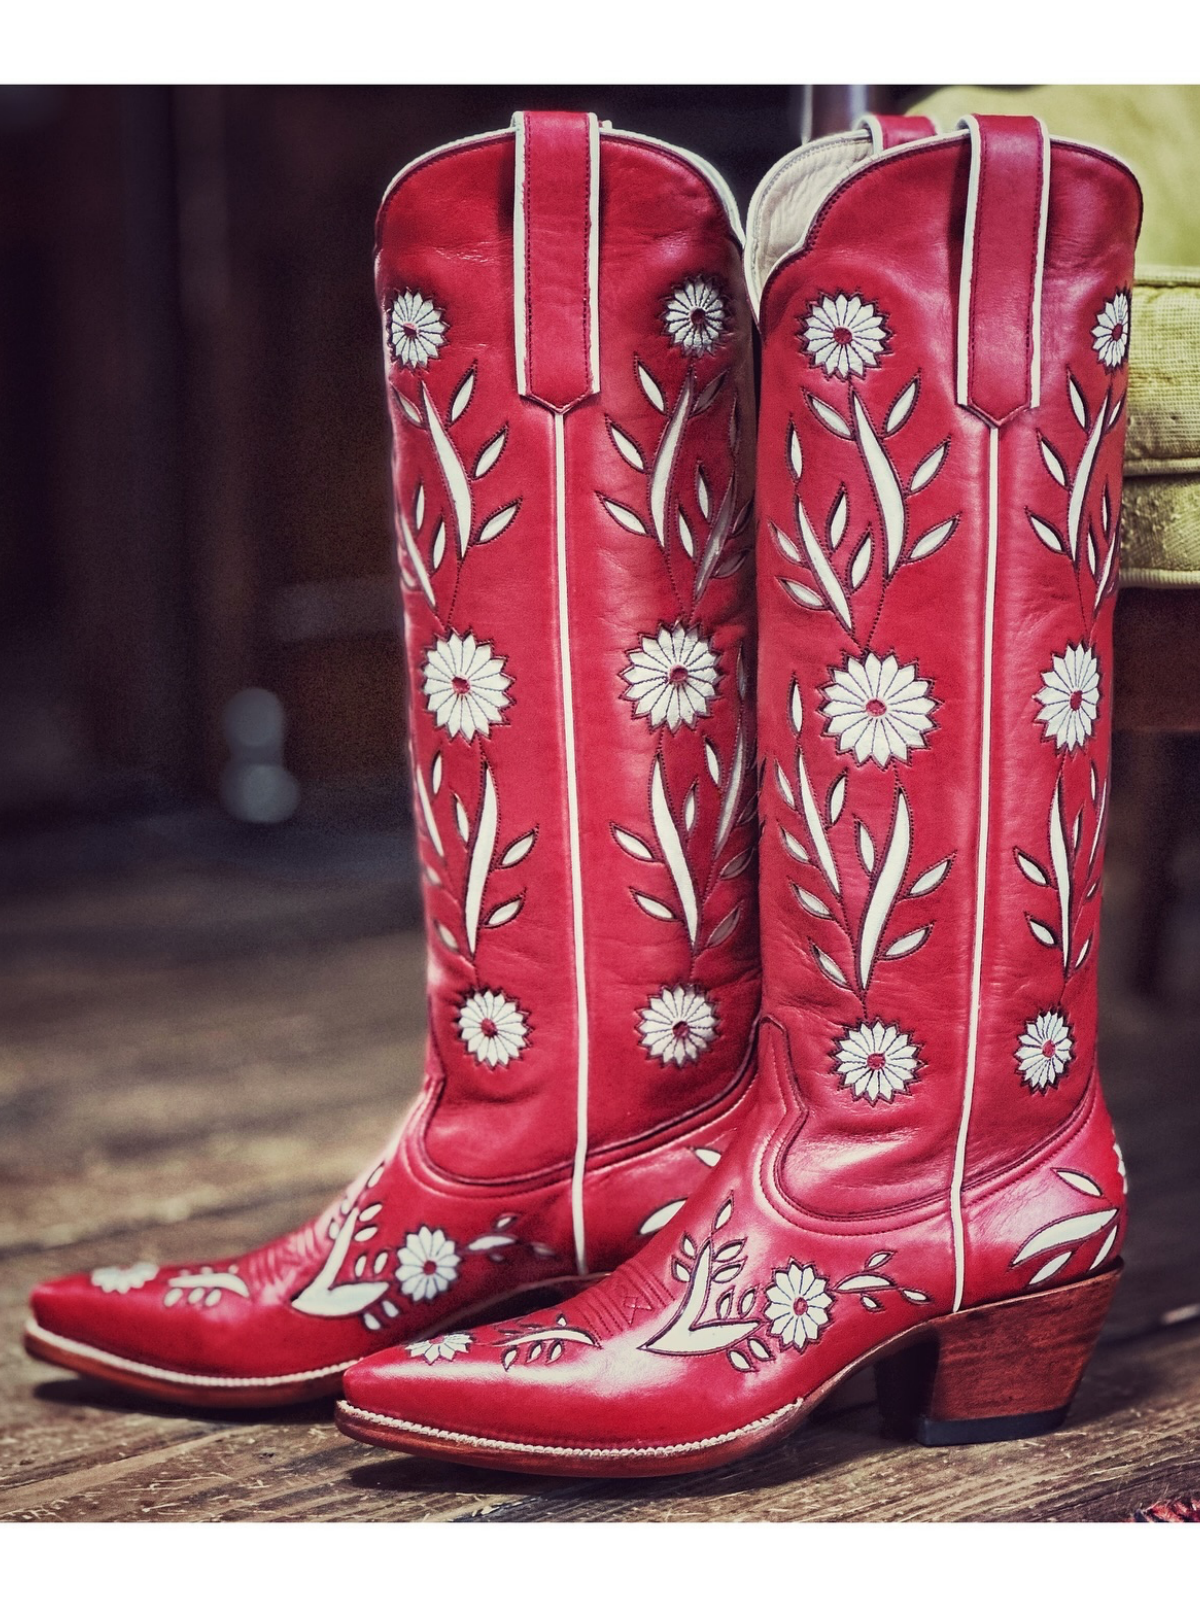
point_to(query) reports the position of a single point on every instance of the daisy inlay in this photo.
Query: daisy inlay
(1070, 697)
(464, 685)
(492, 1027)
(1045, 1050)
(416, 328)
(678, 1025)
(443, 1348)
(695, 316)
(1110, 336)
(844, 334)
(119, 1280)
(428, 1264)
(797, 1305)
(672, 677)
(877, 1061)
(878, 708)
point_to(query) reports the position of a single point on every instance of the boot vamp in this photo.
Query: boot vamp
(731, 1314)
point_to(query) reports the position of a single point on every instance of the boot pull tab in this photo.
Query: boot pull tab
(556, 256)
(1003, 258)
(887, 132)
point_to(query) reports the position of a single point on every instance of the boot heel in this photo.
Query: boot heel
(1003, 1371)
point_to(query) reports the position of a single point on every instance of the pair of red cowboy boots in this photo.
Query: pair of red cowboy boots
(921, 1174)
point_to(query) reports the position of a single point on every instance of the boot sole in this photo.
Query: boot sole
(1005, 1370)
(184, 1388)
(216, 1393)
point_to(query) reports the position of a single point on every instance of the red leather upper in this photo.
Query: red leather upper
(572, 511)
(629, 575)
(935, 599)
(892, 235)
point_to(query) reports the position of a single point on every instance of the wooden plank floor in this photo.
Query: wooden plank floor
(189, 1066)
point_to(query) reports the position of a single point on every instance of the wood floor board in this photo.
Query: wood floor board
(1133, 1436)
(167, 1097)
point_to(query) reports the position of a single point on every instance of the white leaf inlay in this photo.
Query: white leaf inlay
(495, 525)
(519, 849)
(928, 881)
(504, 913)
(650, 389)
(672, 849)
(837, 519)
(490, 454)
(664, 461)
(625, 516)
(822, 570)
(902, 406)
(885, 482)
(462, 396)
(481, 858)
(634, 846)
(832, 419)
(933, 540)
(887, 886)
(1032, 871)
(928, 469)
(655, 908)
(626, 447)
(452, 471)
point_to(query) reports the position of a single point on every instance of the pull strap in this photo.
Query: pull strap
(556, 253)
(1003, 259)
(888, 131)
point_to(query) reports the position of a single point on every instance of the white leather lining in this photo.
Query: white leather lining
(788, 198)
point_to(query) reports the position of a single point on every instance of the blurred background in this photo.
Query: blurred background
(194, 494)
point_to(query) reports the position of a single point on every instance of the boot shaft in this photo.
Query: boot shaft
(944, 331)
(569, 375)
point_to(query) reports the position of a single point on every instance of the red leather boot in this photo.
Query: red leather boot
(567, 343)
(928, 1179)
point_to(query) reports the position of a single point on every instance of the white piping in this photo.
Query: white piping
(705, 168)
(520, 312)
(593, 266)
(568, 712)
(875, 128)
(962, 353)
(1039, 273)
(985, 778)
(433, 155)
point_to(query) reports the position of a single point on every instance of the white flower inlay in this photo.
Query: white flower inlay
(672, 677)
(444, 1348)
(464, 685)
(119, 1280)
(1045, 1050)
(877, 708)
(418, 329)
(492, 1027)
(428, 1264)
(695, 316)
(797, 1305)
(1070, 697)
(844, 334)
(877, 1061)
(678, 1025)
(1110, 336)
